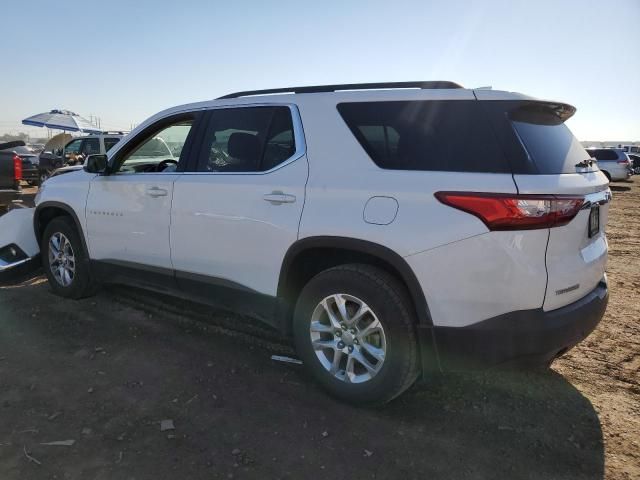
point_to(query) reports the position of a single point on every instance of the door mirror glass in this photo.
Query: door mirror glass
(96, 164)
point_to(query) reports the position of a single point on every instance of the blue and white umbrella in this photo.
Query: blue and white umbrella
(62, 120)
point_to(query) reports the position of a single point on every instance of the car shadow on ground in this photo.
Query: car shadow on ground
(116, 364)
(619, 188)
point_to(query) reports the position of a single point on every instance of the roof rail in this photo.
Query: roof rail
(348, 86)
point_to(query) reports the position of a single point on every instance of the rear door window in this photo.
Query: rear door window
(247, 139)
(449, 135)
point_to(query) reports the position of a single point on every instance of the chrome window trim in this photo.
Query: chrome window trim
(298, 135)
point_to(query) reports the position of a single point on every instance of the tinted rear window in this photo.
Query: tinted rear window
(548, 141)
(603, 154)
(449, 135)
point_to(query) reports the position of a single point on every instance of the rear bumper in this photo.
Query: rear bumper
(523, 338)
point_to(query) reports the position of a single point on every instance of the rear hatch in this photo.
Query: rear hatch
(547, 159)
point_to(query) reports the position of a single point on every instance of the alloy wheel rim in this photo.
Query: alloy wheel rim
(62, 260)
(348, 338)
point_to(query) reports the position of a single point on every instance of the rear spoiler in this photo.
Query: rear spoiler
(542, 112)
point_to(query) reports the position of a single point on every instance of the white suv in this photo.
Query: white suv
(613, 162)
(392, 229)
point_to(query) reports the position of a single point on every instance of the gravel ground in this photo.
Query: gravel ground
(106, 372)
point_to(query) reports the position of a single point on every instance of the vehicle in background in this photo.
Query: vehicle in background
(635, 162)
(613, 162)
(11, 169)
(76, 151)
(29, 163)
(630, 148)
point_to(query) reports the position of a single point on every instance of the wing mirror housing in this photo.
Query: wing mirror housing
(96, 164)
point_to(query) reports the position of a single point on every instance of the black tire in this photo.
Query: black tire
(387, 297)
(81, 285)
(606, 174)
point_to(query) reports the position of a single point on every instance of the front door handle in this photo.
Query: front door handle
(157, 192)
(278, 198)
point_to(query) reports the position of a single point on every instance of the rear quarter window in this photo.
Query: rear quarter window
(438, 135)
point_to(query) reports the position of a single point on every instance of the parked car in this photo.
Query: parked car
(17, 163)
(613, 162)
(76, 151)
(635, 162)
(630, 148)
(30, 163)
(394, 230)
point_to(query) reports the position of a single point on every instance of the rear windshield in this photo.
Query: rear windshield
(603, 154)
(447, 135)
(549, 143)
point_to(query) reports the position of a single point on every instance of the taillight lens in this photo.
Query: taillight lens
(17, 168)
(624, 162)
(515, 212)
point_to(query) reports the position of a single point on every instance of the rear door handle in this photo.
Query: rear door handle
(157, 192)
(278, 198)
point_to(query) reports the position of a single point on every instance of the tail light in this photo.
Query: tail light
(515, 212)
(17, 168)
(624, 162)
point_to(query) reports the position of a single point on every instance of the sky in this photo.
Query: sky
(126, 60)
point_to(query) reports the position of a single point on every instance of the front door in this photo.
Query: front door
(129, 211)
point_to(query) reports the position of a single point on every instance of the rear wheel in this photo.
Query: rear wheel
(354, 330)
(64, 260)
(606, 174)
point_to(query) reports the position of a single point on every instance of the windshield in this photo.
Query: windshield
(156, 147)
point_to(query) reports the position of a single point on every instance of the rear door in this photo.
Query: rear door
(236, 214)
(551, 162)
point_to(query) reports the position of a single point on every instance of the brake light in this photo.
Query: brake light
(624, 162)
(515, 212)
(17, 168)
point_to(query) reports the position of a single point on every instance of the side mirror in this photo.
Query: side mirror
(96, 164)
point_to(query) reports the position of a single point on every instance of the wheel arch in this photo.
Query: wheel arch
(46, 211)
(309, 256)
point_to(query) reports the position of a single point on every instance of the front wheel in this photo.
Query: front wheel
(64, 260)
(354, 329)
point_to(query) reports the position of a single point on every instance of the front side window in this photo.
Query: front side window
(247, 139)
(159, 151)
(73, 147)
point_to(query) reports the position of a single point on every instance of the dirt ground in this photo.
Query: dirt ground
(105, 372)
